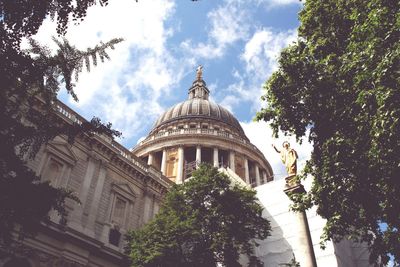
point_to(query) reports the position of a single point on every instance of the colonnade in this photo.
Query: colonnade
(258, 174)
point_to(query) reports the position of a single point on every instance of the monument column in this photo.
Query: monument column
(215, 157)
(164, 162)
(246, 170)
(232, 160)
(304, 242)
(198, 156)
(179, 176)
(258, 182)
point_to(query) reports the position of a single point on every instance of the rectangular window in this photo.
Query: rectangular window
(118, 216)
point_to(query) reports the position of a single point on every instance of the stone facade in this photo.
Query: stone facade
(117, 192)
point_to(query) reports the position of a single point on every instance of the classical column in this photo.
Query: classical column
(164, 162)
(150, 159)
(264, 175)
(215, 157)
(305, 249)
(246, 171)
(257, 175)
(75, 217)
(198, 155)
(232, 160)
(96, 199)
(179, 176)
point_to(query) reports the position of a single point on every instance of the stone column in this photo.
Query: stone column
(96, 199)
(198, 155)
(75, 217)
(264, 175)
(257, 174)
(150, 159)
(232, 160)
(215, 157)
(305, 250)
(179, 176)
(246, 171)
(164, 162)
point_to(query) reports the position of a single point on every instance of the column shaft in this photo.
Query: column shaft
(246, 171)
(264, 174)
(150, 159)
(75, 217)
(164, 162)
(179, 176)
(198, 155)
(215, 157)
(257, 175)
(232, 160)
(96, 199)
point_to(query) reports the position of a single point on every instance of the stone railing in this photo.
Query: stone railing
(68, 113)
(72, 116)
(201, 131)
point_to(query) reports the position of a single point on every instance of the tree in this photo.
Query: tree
(203, 222)
(30, 83)
(29, 120)
(339, 85)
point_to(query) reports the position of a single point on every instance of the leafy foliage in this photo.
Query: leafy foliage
(203, 222)
(29, 118)
(341, 82)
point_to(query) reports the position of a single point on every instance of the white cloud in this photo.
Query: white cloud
(228, 24)
(278, 3)
(127, 90)
(260, 56)
(262, 51)
(260, 134)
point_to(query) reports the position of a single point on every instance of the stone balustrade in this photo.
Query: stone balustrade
(72, 116)
(192, 131)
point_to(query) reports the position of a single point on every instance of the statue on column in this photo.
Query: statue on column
(288, 157)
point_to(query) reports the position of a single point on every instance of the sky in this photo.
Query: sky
(236, 41)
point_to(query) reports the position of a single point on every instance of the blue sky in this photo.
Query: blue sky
(236, 41)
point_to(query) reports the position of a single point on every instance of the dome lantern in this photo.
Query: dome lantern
(199, 88)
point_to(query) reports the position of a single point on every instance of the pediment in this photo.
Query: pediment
(124, 189)
(62, 150)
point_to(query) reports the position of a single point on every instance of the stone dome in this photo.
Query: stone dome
(198, 108)
(199, 130)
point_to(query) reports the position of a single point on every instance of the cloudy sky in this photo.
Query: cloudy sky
(236, 41)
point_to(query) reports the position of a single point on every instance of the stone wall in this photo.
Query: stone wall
(117, 193)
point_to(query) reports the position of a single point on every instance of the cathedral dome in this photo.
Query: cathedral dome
(199, 130)
(198, 107)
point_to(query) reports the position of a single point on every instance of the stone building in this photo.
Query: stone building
(121, 189)
(199, 130)
(117, 190)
